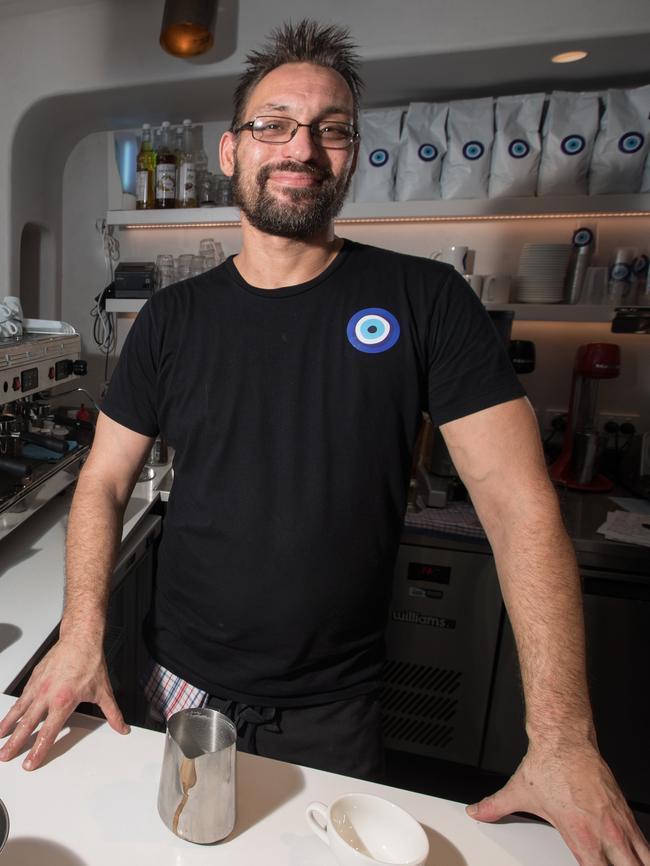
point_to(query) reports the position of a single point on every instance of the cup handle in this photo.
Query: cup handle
(488, 283)
(315, 826)
(435, 254)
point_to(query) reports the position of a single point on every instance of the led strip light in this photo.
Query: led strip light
(388, 220)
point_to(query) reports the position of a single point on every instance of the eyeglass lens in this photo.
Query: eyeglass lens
(330, 133)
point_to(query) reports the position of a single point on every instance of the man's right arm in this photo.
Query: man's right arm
(74, 670)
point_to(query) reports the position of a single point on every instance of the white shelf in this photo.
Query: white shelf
(125, 305)
(454, 210)
(523, 312)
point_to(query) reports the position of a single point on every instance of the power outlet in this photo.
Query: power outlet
(619, 418)
(546, 417)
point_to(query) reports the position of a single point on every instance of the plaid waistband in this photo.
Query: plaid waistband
(168, 694)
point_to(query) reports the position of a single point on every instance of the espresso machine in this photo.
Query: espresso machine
(36, 464)
(576, 467)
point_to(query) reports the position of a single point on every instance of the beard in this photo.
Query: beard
(307, 211)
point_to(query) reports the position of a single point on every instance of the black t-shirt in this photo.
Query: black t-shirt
(293, 413)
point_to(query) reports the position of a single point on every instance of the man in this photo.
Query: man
(290, 381)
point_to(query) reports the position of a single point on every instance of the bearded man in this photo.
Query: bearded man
(290, 382)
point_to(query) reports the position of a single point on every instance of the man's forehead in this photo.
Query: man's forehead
(292, 84)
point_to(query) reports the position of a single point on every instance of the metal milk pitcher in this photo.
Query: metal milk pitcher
(196, 797)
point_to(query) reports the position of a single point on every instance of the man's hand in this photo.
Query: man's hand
(70, 673)
(575, 791)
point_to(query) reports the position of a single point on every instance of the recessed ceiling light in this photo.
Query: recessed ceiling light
(569, 56)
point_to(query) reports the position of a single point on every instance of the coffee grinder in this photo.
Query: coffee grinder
(576, 467)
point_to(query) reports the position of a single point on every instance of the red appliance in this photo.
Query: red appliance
(575, 467)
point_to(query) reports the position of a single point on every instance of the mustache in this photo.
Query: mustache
(297, 167)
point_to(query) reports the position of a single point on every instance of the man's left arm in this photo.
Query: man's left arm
(562, 777)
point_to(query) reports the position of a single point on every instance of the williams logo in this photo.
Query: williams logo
(373, 330)
(412, 617)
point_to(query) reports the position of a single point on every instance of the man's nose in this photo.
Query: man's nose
(302, 146)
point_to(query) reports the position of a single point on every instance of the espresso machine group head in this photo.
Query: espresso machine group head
(577, 464)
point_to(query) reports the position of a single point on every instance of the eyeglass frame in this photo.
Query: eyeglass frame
(354, 135)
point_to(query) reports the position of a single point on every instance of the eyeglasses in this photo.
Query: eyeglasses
(331, 134)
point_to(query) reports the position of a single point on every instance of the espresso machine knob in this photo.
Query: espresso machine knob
(79, 368)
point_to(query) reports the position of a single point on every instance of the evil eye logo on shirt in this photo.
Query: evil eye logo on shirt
(427, 152)
(631, 142)
(518, 148)
(473, 150)
(373, 330)
(582, 237)
(620, 272)
(378, 157)
(573, 144)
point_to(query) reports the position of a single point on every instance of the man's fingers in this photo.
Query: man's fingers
(7, 724)
(114, 717)
(44, 740)
(22, 732)
(504, 802)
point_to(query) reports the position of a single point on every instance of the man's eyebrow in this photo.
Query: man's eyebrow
(329, 109)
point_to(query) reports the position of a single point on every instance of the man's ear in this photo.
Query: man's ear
(227, 146)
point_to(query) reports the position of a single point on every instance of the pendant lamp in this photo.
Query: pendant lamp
(187, 27)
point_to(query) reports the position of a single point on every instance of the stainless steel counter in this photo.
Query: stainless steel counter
(583, 513)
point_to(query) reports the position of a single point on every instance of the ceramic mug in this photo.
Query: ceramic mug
(362, 829)
(453, 255)
(496, 289)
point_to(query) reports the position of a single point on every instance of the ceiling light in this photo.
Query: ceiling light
(569, 56)
(187, 27)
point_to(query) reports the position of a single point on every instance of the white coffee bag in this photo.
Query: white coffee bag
(423, 144)
(378, 149)
(570, 128)
(517, 145)
(470, 133)
(623, 142)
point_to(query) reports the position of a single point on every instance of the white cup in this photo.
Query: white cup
(453, 255)
(476, 282)
(496, 289)
(362, 829)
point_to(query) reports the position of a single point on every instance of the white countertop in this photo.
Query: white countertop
(94, 804)
(32, 575)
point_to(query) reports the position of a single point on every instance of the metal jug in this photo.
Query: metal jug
(196, 797)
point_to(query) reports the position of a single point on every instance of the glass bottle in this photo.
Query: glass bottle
(200, 156)
(165, 170)
(145, 195)
(186, 182)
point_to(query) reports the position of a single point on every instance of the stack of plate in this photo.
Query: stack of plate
(541, 273)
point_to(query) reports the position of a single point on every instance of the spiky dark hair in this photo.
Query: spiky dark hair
(305, 42)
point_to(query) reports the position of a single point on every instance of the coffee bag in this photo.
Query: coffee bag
(569, 131)
(423, 144)
(378, 149)
(623, 142)
(470, 133)
(517, 145)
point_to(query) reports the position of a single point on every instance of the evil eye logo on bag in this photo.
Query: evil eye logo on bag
(573, 145)
(427, 152)
(582, 237)
(378, 157)
(373, 330)
(518, 148)
(473, 150)
(620, 272)
(631, 142)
